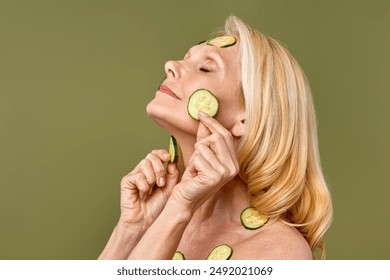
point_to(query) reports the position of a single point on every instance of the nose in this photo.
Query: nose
(172, 69)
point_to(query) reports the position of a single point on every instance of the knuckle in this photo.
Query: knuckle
(159, 169)
(218, 174)
(222, 172)
(159, 153)
(124, 180)
(150, 156)
(217, 136)
(143, 163)
(214, 179)
(139, 176)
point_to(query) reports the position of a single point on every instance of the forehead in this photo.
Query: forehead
(229, 55)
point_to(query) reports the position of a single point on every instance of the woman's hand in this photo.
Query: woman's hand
(144, 193)
(213, 164)
(146, 189)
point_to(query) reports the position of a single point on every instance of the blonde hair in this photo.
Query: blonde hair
(278, 155)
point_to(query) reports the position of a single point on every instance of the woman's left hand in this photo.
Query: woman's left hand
(211, 166)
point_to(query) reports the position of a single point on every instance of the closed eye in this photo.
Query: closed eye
(204, 69)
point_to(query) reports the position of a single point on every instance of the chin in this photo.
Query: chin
(173, 120)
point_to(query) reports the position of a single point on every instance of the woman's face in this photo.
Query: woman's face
(209, 67)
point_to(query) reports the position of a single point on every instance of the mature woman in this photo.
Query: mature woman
(260, 150)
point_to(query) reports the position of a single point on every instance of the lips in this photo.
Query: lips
(168, 91)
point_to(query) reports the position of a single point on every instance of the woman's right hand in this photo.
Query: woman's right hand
(146, 189)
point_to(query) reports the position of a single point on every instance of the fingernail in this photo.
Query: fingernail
(162, 181)
(203, 114)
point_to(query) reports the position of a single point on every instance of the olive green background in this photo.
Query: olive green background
(75, 77)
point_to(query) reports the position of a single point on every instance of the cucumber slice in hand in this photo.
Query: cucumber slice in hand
(221, 252)
(251, 218)
(202, 100)
(222, 41)
(173, 149)
(178, 256)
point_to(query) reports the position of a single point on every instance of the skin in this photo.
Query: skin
(202, 209)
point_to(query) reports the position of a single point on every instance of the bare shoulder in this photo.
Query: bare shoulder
(274, 241)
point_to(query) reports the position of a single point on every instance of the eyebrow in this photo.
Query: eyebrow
(214, 55)
(217, 58)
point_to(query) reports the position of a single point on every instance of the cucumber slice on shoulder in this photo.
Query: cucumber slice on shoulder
(202, 100)
(173, 149)
(221, 252)
(222, 41)
(178, 256)
(251, 218)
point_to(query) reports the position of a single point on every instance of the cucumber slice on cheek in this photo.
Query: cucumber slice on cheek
(202, 100)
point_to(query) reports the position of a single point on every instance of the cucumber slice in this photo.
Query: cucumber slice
(173, 149)
(251, 218)
(222, 41)
(202, 100)
(178, 256)
(221, 252)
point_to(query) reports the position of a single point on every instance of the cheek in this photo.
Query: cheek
(226, 117)
(230, 107)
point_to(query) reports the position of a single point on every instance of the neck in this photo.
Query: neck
(226, 205)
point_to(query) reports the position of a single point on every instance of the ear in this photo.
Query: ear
(238, 128)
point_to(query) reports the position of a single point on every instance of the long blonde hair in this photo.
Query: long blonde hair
(278, 155)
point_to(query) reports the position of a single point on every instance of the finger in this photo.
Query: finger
(215, 127)
(204, 171)
(215, 160)
(163, 155)
(216, 144)
(173, 175)
(158, 168)
(146, 168)
(138, 182)
(202, 132)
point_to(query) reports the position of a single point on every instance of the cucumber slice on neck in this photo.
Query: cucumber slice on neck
(202, 100)
(222, 41)
(251, 218)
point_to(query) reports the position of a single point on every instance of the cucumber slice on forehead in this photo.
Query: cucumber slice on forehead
(202, 100)
(251, 218)
(173, 149)
(221, 252)
(222, 41)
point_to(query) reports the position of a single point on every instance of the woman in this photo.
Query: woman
(260, 150)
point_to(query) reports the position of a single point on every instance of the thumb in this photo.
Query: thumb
(173, 175)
